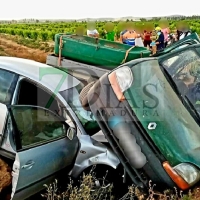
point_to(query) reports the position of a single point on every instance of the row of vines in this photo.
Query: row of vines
(47, 31)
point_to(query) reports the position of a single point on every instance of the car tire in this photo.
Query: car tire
(83, 96)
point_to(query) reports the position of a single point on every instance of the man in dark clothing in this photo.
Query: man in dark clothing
(160, 41)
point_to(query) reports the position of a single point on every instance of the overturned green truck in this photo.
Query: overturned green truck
(149, 111)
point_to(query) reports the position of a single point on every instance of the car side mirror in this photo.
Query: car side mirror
(68, 119)
(71, 132)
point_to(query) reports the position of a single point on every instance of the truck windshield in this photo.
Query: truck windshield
(154, 101)
(186, 76)
(86, 118)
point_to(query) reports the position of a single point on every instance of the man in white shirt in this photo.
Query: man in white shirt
(138, 41)
(92, 33)
(184, 34)
(91, 30)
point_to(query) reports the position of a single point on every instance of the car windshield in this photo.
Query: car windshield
(153, 100)
(86, 118)
(184, 69)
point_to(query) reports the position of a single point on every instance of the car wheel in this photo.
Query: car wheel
(83, 96)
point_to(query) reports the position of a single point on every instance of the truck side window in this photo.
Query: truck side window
(8, 82)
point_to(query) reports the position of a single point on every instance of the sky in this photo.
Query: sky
(76, 9)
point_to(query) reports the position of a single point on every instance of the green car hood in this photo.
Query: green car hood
(152, 99)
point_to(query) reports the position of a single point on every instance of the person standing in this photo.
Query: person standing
(122, 40)
(166, 33)
(91, 30)
(183, 30)
(110, 35)
(147, 38)
(92, 33)
(160, 41)
(130, 35)
(138, 41)
(109, 31)
(123, 29)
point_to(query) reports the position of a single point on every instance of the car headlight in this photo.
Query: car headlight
(121, 79)
(184, 175)
(188, 172)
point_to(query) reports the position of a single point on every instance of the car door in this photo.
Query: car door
(8, 82)
(3, 117)
(46, 146)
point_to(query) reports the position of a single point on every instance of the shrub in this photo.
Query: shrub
(87, 191)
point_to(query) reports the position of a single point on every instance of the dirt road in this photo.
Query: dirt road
(11, 48)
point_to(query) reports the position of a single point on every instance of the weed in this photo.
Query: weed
(88, 191)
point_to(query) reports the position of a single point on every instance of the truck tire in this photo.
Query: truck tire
(83, 96)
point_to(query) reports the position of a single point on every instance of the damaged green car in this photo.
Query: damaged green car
(149, 111)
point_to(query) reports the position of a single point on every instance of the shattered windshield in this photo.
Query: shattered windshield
(86, 118)
(185, 72)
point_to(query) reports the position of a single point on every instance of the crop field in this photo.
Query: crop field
(46, 31)
(36, 40)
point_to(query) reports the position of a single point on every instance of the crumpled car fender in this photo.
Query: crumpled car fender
(92, 153)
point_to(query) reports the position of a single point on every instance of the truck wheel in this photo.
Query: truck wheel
(83, 96)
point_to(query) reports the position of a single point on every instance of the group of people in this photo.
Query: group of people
(146, 39)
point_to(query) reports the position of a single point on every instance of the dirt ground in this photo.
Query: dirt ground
(11, 48)
(5, 180)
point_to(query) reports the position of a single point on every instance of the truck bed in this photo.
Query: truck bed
(79, 70)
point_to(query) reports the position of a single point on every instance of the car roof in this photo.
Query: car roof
(43, 74)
